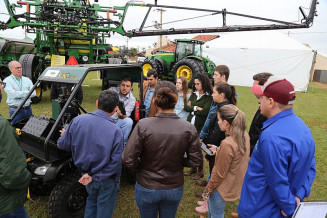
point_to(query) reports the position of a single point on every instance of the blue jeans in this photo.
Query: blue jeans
(150, 201)
(216, 205)
(20, 212)
(125, 125)
(22, 114)
(102, 198)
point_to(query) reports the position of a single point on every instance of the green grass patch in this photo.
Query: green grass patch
(309, 106)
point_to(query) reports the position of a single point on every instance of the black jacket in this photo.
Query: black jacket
(255, 128)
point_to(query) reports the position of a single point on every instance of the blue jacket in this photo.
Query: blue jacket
(281, 167)
(205, 129)
(96, 143)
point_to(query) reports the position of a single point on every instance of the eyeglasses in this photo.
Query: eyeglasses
(3, 85)
(197, 84)
(18, 68)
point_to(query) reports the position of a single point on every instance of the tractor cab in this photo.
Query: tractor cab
(188, 47)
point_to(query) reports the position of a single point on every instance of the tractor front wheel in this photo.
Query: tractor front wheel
(188, 68)
(149, 64)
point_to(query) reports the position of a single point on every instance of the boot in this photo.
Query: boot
(201, 183)
(198, 194)
(191, 171)
(198, 175)
(203, 208)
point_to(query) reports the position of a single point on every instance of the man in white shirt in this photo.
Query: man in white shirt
(17, 88)
(122, 118)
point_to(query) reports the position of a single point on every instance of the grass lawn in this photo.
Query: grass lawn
(309, 106)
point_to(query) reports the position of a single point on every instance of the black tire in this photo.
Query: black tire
(32, 69)
(150, 64)
(68, 198)
(161, 68)
(188, 68)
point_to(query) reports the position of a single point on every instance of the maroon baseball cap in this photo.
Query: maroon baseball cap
(281, 90)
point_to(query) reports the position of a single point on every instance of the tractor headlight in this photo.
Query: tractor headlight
(40, 171)
(85, 58)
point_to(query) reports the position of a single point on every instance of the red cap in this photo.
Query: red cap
(281, 90)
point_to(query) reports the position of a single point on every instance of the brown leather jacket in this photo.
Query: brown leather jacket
(229, 170)
(156, 148)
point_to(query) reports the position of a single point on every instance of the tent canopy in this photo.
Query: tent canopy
(249, 53)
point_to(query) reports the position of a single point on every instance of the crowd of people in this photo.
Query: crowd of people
(270, 169)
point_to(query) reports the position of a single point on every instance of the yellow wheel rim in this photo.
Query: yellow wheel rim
(146, 68)
(38, 91)
(185, 71)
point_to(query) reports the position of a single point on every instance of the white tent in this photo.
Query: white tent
(248, 53)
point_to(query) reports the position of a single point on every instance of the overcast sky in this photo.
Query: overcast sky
(288, 10)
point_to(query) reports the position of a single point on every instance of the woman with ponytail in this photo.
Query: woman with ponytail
(156, 149)
(231, 162)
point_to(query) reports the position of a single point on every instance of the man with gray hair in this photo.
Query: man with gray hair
(17, 88)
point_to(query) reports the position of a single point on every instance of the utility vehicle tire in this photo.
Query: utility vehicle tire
(149, 64)
(68, 198)
(188, 68)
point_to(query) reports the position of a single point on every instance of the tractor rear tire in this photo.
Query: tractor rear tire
(32, 69)
(188, 68)
(68, 198)
(149, 64)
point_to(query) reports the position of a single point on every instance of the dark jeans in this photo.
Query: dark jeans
(22, 114)
(102, 198)
(150, 201)
(18, 213)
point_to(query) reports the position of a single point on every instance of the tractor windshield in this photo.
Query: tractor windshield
(184, 49)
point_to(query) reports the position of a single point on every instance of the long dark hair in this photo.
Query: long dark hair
(228, 90)
(205, 81)
(184, 87)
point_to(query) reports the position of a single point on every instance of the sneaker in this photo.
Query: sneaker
(200, 203)
(234, 215)
(202, 209)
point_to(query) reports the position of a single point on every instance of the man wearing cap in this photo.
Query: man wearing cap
(255, 129)
(282, 166)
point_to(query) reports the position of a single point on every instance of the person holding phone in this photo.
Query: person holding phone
(231, 162)
(223, 94)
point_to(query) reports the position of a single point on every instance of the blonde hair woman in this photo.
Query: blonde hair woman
(232, 157)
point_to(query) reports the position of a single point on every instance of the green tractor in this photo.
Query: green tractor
(187, 60)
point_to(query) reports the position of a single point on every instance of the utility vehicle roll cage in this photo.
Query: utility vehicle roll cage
(76, 75)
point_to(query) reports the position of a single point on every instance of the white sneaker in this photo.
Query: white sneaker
(203, 208)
